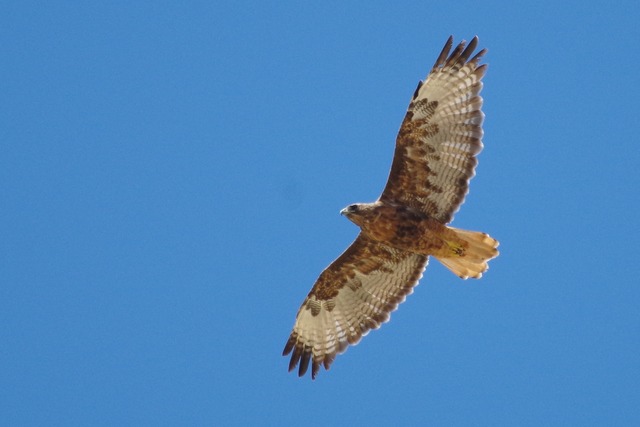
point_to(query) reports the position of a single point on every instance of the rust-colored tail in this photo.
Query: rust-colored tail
(469, 255)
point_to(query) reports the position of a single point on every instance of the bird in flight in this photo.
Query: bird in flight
(434, 160)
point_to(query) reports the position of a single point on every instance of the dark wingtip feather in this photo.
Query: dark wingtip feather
(415, 93)
(464, 56)
(453, 58)
(288, 346)
(481, 70)
(304, 362)
(479, 55)
(444, 53)
(315, 367)
(328, 360)
(295, 358)
(459, 56)
(303, 355)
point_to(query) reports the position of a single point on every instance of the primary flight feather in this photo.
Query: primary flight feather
(434, 160)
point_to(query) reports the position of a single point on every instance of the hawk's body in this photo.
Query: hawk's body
(433, 163)
(404, 228)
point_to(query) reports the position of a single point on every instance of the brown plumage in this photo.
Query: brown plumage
(433, 162)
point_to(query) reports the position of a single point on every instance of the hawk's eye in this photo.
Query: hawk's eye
(352, 208)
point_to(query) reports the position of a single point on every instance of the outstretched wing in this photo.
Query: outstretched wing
(353, 295)
(440, 136)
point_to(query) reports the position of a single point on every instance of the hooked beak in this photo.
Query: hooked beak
(343, 211)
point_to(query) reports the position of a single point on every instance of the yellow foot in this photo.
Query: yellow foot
(456, 248)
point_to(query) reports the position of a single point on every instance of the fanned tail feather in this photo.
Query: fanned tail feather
(478, 249)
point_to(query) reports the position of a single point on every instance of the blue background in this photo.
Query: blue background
(170, 180)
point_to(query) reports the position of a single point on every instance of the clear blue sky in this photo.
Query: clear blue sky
(170, 180)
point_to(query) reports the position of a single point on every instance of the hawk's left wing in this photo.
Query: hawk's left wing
(353, 295)
(440, 136)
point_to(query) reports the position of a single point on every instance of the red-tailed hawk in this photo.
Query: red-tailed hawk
(433, 162)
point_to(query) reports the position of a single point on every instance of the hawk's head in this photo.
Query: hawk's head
(358, 212)
(350, 210)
